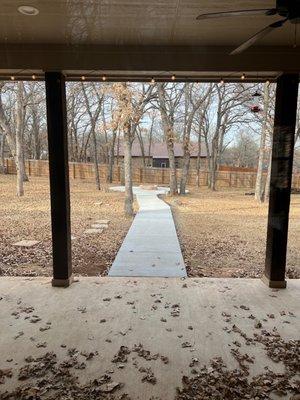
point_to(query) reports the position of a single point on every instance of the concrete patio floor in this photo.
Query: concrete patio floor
(180, 319)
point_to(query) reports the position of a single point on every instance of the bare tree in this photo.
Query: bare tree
(169, 96)
(93, 103)
(131, 107)
(243, 152)
(35, 128)
(194, 99)
(229, 104)
(113, 127)
(2, 150)
(259, 188)
(12, 123)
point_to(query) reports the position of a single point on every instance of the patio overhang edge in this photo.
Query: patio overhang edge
(141, 62)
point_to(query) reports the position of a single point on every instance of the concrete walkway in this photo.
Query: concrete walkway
(151, 247)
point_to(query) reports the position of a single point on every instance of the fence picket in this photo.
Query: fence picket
(225, 178)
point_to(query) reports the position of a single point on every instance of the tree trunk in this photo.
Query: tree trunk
(2, 161)
(259, 190)
(213, 167)
(19, 159)
(140, 139)
(198, 165)
(128, 206)
(111, 158)
(36, 137)
(118, 147)
(186, 143)
(25, 176)
(20, 167)
(167, 124)
(150, 142)
(173, 172)
(185, 172)
(96, 166)
(268, 179)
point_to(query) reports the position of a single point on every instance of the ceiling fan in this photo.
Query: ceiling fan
(288, 9)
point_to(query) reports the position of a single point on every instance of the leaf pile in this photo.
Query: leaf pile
(53, 380)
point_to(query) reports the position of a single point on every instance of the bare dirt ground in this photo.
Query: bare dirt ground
(29, 218)
(223, 233)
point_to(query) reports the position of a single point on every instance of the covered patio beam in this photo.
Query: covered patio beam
(59, 178)
(281, 179)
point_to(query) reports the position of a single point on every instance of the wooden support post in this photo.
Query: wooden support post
(59, 178)
(281, 178)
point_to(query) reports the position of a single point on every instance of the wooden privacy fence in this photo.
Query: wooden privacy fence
(159, 176)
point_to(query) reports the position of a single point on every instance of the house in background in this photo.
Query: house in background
(156, 155)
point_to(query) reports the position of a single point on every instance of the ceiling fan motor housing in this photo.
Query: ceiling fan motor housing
(289, 9)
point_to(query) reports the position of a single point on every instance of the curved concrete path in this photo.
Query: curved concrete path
(151, 246)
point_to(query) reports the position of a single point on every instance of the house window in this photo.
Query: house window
(163, 165)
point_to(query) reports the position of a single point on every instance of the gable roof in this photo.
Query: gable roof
(159, 150)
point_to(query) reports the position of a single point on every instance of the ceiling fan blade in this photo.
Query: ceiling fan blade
(259, 35)
(238, 13)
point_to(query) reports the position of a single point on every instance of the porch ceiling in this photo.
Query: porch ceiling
(137, 38)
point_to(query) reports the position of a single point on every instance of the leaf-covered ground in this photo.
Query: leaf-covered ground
(223, 233)
(28, 217)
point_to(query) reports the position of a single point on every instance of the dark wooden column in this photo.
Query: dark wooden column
(59, 178)
(281, 179)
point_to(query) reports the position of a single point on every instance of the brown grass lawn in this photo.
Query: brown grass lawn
(29, 218)
(224, 233)
(221, 233)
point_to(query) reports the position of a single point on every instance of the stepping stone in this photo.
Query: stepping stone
(92, 231)
(99, 226)
(98, 203)
(102, 221)
(26, 243)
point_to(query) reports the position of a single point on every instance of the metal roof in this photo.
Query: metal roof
(159, 150)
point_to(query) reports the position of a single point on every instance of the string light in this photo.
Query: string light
(12, 78)
(243, 77)
(83, 78)
(173, 77)
(33, 77)
(267, 81)
(152, 80)
(104, 78)
(221, 81)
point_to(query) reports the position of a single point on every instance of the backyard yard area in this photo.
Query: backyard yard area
(223, 233)
(28, 218)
